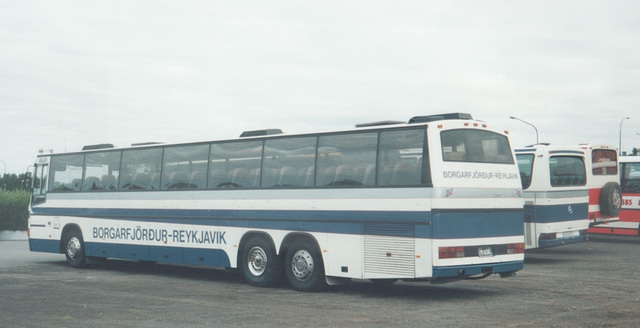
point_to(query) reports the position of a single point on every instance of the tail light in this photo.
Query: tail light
(450, 252)
(547, 236)
(515, 248)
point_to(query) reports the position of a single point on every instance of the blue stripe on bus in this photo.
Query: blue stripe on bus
(556, 213)
(437, 224)
(162, 254)
(450, 225)
(44, 245)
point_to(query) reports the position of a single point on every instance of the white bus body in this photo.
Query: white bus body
(428, 201)
(556, 197)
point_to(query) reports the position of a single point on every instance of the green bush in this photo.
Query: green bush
(14, 210)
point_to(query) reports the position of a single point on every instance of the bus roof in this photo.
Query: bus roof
(277, 133)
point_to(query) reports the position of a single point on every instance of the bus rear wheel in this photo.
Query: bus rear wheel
(304, 267)
(74, 249)
(261, 266)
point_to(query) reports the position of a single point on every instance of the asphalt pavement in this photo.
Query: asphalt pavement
(593, 284)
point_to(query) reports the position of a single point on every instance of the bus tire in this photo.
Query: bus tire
(261, 266)
(304, 267)
(610, 199)
(74, 249)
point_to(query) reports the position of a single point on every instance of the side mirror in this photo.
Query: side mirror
(26, 183)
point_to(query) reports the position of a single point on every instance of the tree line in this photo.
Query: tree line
(14, 201)
(13, 182)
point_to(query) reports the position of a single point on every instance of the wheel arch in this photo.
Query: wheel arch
(65, 230)
(250, 234)
(295, 236)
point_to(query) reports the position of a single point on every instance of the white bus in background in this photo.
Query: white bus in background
(437, 199)
(556, 208)
(629, 223)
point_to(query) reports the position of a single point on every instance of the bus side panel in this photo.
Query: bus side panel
(561, 213)
(43, 236)
(630, 207)
(477, 224)
(344, 251)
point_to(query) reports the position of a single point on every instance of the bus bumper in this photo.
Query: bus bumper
(473, 270)
(546, 243)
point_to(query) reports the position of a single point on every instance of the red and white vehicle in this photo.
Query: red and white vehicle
(603, 181)
(629, 223)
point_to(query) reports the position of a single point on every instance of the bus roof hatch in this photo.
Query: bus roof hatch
(98, 146)
(440, 117)
(265, 132)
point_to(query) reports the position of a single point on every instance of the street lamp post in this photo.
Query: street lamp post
(5, 166)
(620, 137)
(525, 122)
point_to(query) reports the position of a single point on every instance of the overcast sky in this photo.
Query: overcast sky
(74, 73)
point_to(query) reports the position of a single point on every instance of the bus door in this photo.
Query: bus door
(40, 179)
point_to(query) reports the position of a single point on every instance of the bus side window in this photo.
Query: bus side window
(235, 164)
(343, 158)
(66, 173)
(287, 162)
(400, 157)
(631, 179)
(140, 169)
(183, 166)
(101, 170)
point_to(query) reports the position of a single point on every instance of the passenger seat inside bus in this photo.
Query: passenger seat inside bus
(141, 181)
(108, 182)
(92, 183)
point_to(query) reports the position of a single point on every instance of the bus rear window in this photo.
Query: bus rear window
(476, 146)
(604, 162)
(567, 171)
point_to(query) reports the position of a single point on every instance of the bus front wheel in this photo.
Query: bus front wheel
(74, 249)
(304, 267)
(261, 266)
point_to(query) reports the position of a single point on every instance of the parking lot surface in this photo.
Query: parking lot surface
(593, 284)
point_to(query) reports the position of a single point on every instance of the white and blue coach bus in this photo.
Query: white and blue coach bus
(437, 199)
(554, 179)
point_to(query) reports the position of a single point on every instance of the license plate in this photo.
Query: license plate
(485, 252)
(569, 234)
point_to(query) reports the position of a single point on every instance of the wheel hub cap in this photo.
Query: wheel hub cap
(257, 261)
(74, 247)
(302, 265)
